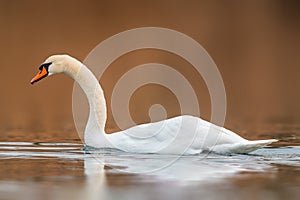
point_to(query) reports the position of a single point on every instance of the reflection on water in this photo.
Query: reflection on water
(64, 170)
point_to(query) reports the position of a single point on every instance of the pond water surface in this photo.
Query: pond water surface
(62, 170)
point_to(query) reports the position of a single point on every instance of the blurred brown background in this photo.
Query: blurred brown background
(254, 43)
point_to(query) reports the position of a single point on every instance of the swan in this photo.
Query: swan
(179, 135)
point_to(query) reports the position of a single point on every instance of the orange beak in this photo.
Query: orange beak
(42, 74)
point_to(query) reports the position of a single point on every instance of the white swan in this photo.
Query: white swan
(178, 135)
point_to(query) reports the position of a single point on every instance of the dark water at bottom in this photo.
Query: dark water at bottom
(53, 170)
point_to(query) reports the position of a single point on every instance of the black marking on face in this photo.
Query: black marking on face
(45, 65)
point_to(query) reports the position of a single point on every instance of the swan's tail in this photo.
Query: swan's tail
(242, 148)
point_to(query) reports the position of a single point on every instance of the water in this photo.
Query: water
(62, 170)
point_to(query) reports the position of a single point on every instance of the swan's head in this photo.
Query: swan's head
(54, 65)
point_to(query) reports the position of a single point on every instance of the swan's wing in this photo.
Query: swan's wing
(173, 135)
(181, 135)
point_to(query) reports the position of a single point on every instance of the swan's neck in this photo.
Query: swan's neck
(95, 129)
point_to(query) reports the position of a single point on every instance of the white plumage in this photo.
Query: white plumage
(178, 135)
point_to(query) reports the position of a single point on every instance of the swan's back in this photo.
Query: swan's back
(178, 135)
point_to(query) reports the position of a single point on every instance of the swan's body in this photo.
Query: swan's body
(178, 135)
